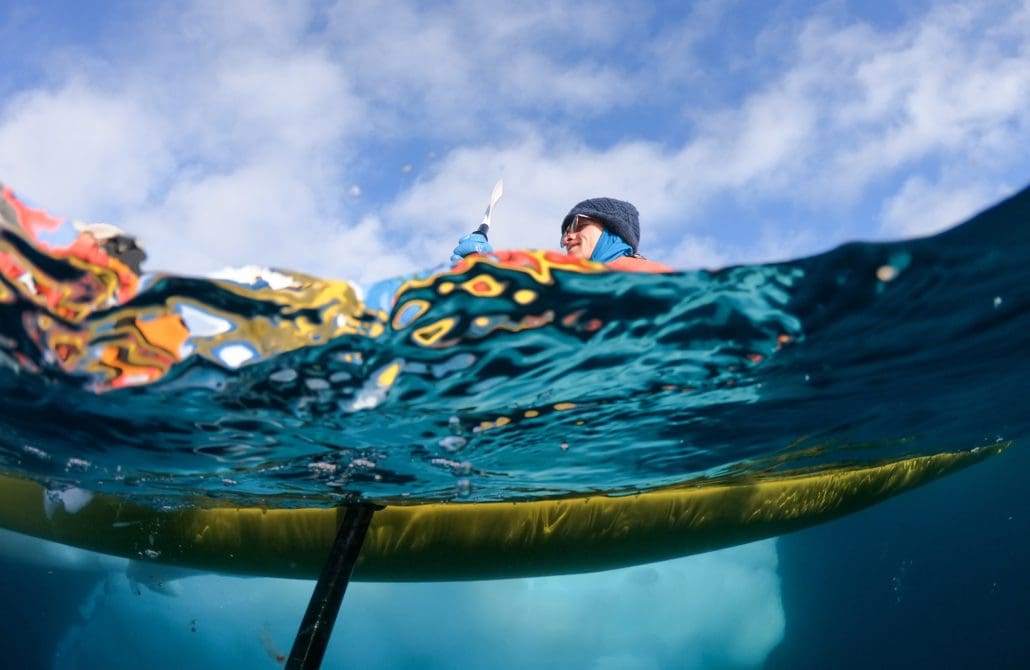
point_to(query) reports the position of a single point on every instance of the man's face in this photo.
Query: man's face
(581, 236)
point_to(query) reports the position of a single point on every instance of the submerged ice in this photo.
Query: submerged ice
(721, 609)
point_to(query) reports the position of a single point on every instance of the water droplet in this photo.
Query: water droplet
(454, 425)
(463, 487)
(997, 302)
(886, 273)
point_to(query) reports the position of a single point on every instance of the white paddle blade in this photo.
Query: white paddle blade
(495, 195)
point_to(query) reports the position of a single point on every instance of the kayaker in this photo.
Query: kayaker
(111, 240)
(605, 230)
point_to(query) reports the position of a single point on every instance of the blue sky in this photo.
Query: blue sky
(360, 139)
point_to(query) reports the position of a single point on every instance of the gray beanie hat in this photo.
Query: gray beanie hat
(618, 216)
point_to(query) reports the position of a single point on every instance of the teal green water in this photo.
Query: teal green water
(601, 382)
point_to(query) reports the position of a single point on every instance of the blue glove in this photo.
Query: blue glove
(473, 243)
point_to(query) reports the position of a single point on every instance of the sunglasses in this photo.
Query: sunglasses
(578, 223)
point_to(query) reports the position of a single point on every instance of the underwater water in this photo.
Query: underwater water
(520, 377)
(526, 376)
(933, 578)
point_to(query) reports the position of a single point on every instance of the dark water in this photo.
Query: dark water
(520, 377)
(935, 578)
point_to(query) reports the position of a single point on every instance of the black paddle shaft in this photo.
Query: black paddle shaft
(317, 624)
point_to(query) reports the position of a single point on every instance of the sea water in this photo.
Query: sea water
(529, 375)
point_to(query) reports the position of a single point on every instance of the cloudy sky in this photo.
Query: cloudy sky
(360, 139)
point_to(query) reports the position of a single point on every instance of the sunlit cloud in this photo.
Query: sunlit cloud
(79, 150)
(921, 208)
(467, 69)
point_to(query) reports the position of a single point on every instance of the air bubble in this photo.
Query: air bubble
(316, 384)
(283, 376)
(453, 443)
(321, 468)
(77, 464)
(36, 452)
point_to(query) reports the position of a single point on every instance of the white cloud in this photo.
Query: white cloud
(949, 87)
(226, 154)
(298, 106)
(267, 26)
(542, 182)
(694, 251)
(948, 92)
(751, 148)
(672, 52)
(463, 70)
(81, 151)
(922, 208)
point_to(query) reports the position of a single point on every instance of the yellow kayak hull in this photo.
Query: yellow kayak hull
(460, 540)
